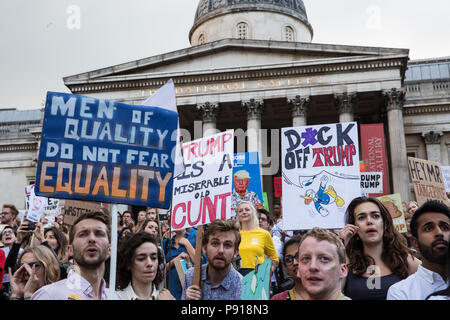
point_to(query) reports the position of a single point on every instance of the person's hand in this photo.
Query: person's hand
(56, 225)
(184, 256)
(348, 232)
(33, 282)
(165, 294)
(193, 293)
(22, 232)
(38, 234)
(18, 281)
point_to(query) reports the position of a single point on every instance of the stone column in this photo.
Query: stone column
(300, 108)
(209, 117)
(254, 109)
(345, 104)
(394, 99)
(433, 145)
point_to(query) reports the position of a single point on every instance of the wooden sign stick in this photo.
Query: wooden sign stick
(198, 257)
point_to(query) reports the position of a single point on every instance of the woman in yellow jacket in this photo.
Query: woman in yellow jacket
(256, 243)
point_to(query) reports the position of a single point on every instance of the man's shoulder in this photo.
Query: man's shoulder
(402, 289)
(53, 291)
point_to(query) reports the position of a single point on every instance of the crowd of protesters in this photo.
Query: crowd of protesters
(368, 259)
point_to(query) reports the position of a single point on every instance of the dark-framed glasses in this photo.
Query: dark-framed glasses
(37, 264)
(288, 259)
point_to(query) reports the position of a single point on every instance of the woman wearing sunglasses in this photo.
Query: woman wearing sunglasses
(37, 267)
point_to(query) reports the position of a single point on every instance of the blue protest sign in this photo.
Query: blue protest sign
(255, 285)
(106, 151)
(246, 180)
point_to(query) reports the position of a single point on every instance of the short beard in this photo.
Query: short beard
(428, 254)
(78, 257)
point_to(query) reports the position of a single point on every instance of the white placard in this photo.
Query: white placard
(202, 193)
(372, 182)
(321, 176)
(446, 174)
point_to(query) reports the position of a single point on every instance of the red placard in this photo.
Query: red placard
(373, 149)
(277, 186)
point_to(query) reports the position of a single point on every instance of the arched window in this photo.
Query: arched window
(289, 34)
(201, 39)
(242, 30)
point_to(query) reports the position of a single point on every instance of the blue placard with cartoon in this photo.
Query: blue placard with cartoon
(246, 180)
(256, 284)
(106, 151)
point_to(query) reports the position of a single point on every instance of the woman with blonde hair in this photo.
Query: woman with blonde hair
(37, 267)
(256, 243)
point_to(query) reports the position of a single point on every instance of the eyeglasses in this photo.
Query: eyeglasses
(10, 232)
(288, 259)
(31, 264)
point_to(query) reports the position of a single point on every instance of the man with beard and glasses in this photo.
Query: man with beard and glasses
(219, 279)
(430, 229)
(89, 240)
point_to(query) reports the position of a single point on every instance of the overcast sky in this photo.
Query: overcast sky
(42, 41)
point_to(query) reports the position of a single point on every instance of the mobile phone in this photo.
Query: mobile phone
(31, 225)
(163, 216)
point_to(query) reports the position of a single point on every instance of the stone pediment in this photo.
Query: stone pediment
(235, 55)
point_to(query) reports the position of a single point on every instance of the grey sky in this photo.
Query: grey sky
(42, 41)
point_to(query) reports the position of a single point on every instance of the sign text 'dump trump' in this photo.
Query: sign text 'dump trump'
(106, 151)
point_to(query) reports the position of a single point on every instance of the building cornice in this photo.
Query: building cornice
(298, 68)
(409, 111)
(226, 44)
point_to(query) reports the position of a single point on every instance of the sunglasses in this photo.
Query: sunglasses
(37, 264)
(288, 259)
(10, 232)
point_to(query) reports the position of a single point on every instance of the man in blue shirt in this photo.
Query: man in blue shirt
(219, 280)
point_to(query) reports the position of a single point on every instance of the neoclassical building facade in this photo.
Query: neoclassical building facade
(253, 67)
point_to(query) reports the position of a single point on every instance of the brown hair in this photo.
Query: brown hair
(13, 209)
(395, 251)
(125, 259)
(222, 226)
(101, 216)
(45, 256)
(62, 242)
(321, 234)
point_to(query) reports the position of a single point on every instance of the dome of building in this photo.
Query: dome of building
(280, 20)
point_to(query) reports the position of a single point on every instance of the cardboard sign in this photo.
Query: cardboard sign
(246, 181)
(320, 169)
(106, 151)
(393, 202)
(181, 267)
(428, 180)
(256, 285)
(202, 193)
(372, 182)
(74, 208)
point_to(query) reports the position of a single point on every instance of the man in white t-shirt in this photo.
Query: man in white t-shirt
(430, 229)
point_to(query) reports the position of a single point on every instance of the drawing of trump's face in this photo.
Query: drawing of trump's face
(241, 181)
(240, 184)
